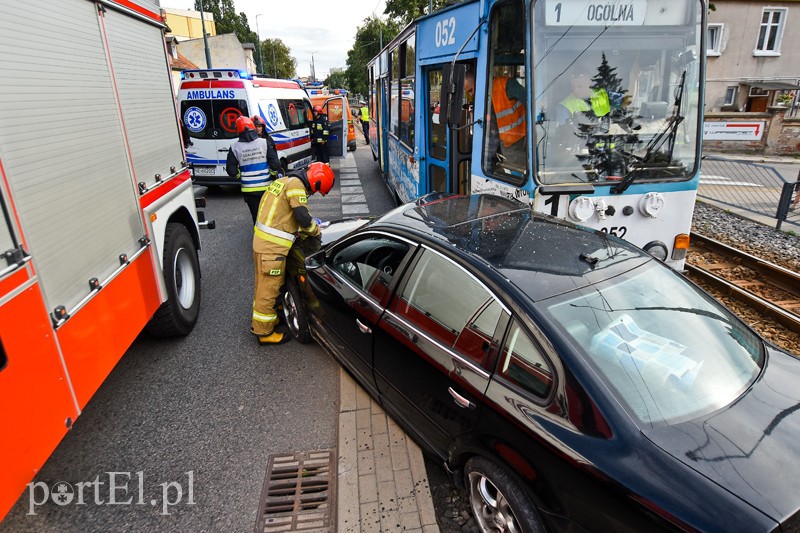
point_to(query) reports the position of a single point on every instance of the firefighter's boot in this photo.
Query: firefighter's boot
(275, 338)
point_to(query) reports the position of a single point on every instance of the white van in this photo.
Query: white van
(212, 99)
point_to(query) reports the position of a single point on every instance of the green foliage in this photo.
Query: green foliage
(369, 37)
(337, 80)
(278, 60)
(404, 11)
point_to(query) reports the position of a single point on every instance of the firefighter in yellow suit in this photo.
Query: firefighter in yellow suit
(282, 218)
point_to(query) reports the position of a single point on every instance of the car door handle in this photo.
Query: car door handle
(362, 328)
(222, 150)
(460, 400)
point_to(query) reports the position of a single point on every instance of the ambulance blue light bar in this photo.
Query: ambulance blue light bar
(218, 74)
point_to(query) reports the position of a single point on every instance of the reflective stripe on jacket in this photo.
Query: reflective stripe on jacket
(510, 113)
(252, 159)
(275, 223)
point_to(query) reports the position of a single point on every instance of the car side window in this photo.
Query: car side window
(441, 298)
(475, 340)
(523, 364)
(370, 263)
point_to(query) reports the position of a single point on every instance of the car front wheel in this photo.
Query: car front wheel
(294, 313)
(497, 501)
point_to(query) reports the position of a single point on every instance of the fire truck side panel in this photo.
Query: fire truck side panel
(87, 121)
(95, 338)
(140, 68)
(34, 388)
(63, 148)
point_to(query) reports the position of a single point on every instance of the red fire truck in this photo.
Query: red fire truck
(99, 231)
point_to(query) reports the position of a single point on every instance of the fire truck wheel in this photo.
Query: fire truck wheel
(178, 315)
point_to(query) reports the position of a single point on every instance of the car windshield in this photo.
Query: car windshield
(616, 90)
(668, 350)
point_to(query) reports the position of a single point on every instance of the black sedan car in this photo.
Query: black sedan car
(568, 379)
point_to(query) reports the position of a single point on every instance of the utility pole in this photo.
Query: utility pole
(205, 37)
(260, 50)
(313, 74)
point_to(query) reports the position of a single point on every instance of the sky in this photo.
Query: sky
(307, 27)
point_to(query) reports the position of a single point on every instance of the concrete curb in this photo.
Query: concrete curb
(382, 481)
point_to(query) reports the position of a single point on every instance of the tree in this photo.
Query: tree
(404, 11)
(605, 150)
(337, 79)
(228, 21)
(369, 37)
(278, 60)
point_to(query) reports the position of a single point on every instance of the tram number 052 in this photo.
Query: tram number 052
(617, 231)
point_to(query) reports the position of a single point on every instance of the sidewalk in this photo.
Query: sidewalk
(755, 158)
(382, 484)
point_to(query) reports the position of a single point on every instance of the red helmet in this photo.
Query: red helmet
(258, 121)
(318, 109)
(244, 123)
(320, 178)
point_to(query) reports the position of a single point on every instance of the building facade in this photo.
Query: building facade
(753, 56)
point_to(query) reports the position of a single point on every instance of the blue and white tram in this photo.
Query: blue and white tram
(590, 111)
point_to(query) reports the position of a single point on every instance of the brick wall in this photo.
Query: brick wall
(781, 134)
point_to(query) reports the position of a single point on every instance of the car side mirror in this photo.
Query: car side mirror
(315, 260)
(451, 98)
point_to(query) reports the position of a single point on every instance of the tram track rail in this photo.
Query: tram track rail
(766, 287)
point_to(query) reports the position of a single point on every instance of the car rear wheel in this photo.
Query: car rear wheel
(497, 501)
(178, 315)
(294, 313)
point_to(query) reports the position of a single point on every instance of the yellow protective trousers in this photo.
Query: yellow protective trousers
(270, 271)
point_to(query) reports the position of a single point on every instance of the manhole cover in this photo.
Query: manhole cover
(299, 493)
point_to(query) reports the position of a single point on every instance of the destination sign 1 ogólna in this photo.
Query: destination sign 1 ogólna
(594, 13)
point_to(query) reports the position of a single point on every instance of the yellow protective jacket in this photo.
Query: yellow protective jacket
(276, 226)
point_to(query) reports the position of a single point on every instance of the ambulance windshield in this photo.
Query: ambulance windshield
(616, 90)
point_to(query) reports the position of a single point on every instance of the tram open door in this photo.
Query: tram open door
(450, 89)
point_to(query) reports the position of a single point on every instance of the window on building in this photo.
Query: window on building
(771, 32)
(730, 96)
(714, 40)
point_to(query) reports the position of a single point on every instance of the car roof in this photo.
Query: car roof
(541, 255)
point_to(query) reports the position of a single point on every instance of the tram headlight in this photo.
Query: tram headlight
(680, 247)
(657, 249)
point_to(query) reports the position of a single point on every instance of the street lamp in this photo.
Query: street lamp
(205, 37)
(260, 49)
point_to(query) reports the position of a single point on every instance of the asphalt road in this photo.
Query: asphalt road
(200, 414)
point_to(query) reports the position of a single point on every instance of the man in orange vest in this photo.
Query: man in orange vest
(508, 121)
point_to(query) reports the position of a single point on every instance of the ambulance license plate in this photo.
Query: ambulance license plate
(204, 171)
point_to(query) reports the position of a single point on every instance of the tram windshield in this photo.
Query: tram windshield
(616, 90)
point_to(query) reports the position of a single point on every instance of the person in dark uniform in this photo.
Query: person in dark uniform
(319, 135)
(251, 160)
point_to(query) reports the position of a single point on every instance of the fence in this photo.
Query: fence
(752, 187)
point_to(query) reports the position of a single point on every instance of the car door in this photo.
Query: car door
(352, 289)
(337, 140)
(432, 347)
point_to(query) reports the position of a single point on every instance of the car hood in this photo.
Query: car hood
(750, 447)
(338, 229)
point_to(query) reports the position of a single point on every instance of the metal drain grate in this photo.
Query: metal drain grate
(299, 493)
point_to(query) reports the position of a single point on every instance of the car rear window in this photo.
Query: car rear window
(212, 119)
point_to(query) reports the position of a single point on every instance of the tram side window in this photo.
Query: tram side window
(407, 88)
(504, 143)
(394, 123)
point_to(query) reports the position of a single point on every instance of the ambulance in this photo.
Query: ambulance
(99, 231)
(212, 99)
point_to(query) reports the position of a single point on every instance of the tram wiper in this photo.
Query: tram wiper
(670, 129)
